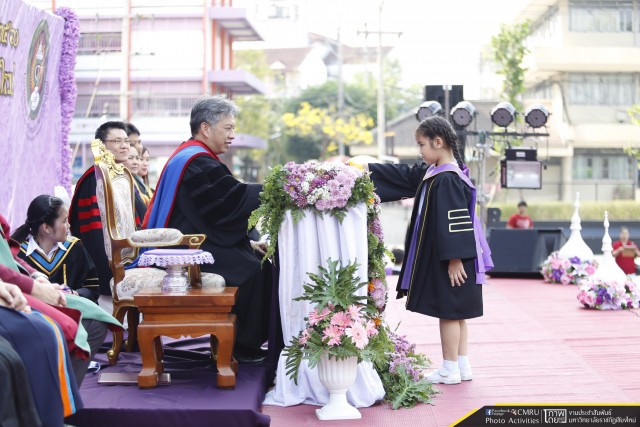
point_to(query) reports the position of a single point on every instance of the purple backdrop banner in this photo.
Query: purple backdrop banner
(30, 113)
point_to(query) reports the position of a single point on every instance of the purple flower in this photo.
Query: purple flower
(68, 88)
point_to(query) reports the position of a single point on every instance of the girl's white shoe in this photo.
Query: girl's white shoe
(443, 376)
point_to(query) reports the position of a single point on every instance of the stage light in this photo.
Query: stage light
(428, 109)
(536, 116)
(503, 114)
(463, 113)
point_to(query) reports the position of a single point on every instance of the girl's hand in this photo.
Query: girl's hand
(457, 275)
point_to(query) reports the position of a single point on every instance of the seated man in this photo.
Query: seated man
(84, 214)
(197, 193)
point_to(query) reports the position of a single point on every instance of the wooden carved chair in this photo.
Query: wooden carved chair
(115, 196)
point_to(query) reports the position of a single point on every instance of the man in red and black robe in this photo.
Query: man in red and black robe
(84, 214)
(197, 193)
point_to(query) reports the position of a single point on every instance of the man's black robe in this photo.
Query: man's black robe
(85, 224)
(212, 202)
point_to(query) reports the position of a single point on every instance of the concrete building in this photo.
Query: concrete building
(147, 62)
(585, 62)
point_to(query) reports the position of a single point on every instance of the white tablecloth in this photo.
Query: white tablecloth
(302, 247)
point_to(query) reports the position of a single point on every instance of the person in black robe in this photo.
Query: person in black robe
(438, 273)
(196, 193)
(45, 246)
(84, 213)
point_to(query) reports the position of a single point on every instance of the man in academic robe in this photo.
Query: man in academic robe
(197, 193)
(84, 214)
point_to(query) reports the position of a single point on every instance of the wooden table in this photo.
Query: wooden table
(195, 312)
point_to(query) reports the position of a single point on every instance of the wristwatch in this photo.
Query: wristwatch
(37, 275)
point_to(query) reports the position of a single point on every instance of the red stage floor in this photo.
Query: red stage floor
(534, 344)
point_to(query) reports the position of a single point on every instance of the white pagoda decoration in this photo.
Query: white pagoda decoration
(608, 270)
(575, 246)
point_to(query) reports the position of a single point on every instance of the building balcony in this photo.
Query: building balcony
(543, 62)
(141, 105)
(235, 22)
(238, 82)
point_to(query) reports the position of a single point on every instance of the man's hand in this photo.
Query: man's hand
(457, 275)
(259, 247)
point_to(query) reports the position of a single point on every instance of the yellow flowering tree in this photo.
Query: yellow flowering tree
(316, 132)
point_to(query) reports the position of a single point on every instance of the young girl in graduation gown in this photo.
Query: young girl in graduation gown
(446, 251)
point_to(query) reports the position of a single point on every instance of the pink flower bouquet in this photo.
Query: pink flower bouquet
(341, 324)
(566, 271)
(609, 295)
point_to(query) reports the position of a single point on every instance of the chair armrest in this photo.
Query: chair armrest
(156, 237)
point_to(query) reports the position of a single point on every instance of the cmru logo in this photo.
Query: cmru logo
(555, 416)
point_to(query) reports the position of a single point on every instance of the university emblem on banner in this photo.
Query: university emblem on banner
(37, 69)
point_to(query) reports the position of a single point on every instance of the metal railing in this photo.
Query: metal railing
(141, 106)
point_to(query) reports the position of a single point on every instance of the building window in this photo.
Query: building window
(92, 43)
(601, 89)
(278, 9)
(602, 167)
(605, 16)
(540, 91)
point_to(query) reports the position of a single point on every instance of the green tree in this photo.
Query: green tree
(508, 50)
(313, 132)
(259, 116)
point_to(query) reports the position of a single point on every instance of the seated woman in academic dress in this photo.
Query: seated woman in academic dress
(46, 246)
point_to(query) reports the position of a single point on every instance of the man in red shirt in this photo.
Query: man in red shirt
(625, 252)
(520, 219)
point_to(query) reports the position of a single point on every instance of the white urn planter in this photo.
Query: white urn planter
(337, 376)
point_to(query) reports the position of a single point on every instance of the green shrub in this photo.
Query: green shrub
(619, 210)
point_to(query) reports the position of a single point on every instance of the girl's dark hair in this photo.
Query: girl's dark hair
(434, 126)
(44, 209)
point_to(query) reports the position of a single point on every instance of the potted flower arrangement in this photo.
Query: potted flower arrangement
(566, 271)
(345, 326)
(609, 295)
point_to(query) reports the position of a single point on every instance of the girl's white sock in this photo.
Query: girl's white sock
(451, 365)
(463, 363)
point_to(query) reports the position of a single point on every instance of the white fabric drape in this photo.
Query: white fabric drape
(302, 247)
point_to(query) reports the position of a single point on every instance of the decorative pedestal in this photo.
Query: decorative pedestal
(176, 262)
(337, 376)
(195, 313)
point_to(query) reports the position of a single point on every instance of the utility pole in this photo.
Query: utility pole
(340, 90)
(382, 149)
(125, 77)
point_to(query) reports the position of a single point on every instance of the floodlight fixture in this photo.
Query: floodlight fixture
(428, 109)
(536, 116)
(463, 113)
(503, 114)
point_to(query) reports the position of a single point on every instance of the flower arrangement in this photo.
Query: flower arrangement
(344, 325)
(609, 295)
(341, 324)
(323, 187)
(566, 271)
